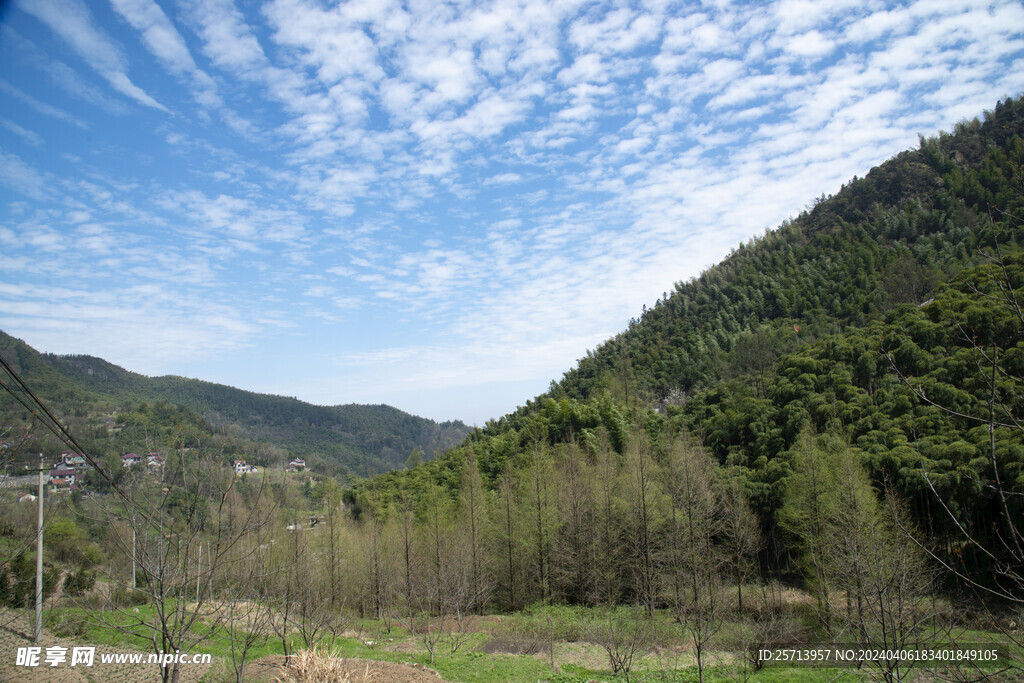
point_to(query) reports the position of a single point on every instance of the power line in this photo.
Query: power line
(52, 423)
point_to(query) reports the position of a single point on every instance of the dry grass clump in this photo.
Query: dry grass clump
(318, 665)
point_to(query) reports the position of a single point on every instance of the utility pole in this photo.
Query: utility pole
(199, 570)
(39, 558)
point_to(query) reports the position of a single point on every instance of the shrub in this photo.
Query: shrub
(126, 597)
(77, 583)
(18, 580)
(65, 625)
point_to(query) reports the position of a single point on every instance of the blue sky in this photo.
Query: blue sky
(440, 206)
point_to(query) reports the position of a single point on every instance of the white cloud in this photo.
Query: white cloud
(22, 178)
(504, 179)
(484, 190)
(41, 107)
(810, 44)
(227, 40)
(72, 21)
(794, 16)
(159, 35)
(29, 136)
(164, 41)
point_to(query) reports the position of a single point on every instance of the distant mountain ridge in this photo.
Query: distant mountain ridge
(363, 439)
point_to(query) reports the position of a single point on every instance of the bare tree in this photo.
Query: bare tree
(440, 584)
(471, 523)
(378, 569)
(248, 616)
(247, 610)
(462, 592)
(768, 628)
(182, 537)
(609, 520)
(507, 537)
(624, 634)
(883, 576)
(314, 614)
(742, 535)
(695, 563)
(539, 507)
(642, 498)
(400, 532)
(330, 494)
(575, 556)
(280, 584)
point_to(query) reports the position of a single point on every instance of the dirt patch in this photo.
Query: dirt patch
(484, 624)
(405, 646)
(273, 668)
(503, 645)
(582, 654)
(16, 631)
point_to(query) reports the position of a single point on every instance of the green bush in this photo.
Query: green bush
(67, 625)
(126, 597)
(77, 583)
(18, 580)
(69, 543)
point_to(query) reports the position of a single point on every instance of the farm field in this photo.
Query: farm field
(544, 643)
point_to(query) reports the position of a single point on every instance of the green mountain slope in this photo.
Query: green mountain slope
(807, 329)
(885, 239)
(363, 439)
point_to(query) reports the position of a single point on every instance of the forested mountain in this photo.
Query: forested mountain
(361, 439)
(819, 440)
(887, 319)
(883, 240)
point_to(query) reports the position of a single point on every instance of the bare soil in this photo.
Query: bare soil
(16, 631)
(499, 645)
(273, 669)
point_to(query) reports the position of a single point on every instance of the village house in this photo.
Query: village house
(313, 522)
(63, 479)
(296, 465)
(131, 459)
(72, 460)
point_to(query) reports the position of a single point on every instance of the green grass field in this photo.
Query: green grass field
(555, 643)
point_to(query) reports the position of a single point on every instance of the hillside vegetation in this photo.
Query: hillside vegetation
(819, 441)
(92, 393)
(883, 323)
